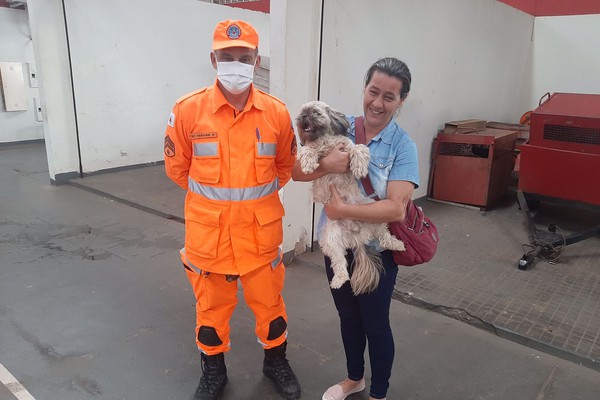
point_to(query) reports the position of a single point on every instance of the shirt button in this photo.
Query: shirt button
(380, 165)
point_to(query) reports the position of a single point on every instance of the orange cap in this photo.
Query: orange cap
(230, 33)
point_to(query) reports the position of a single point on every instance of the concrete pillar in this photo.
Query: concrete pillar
(295, 39)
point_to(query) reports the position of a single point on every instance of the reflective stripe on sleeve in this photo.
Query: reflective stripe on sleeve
(205, 149)
(233, 194)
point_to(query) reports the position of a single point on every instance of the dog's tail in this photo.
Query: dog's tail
(367, 268)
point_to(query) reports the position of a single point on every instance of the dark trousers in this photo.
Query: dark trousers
(365, 318)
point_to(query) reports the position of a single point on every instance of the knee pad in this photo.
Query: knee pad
(277, 328)
(207, 335)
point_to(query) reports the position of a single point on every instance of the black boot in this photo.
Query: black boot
(214, 377)
(277, 368)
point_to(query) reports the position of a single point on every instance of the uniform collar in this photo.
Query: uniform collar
(218, 100)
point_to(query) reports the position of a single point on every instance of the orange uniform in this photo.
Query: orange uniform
(232, 164)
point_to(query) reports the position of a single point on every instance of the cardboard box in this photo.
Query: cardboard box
(522, 129)
(464, 126)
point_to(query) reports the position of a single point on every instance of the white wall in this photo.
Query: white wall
(566, 56)
(468, 59)
(131, 61)
(16, 46)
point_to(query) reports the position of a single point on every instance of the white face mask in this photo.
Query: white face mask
(235, 76)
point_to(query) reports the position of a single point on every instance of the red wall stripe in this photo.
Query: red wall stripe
(260, 5)
(550, 8)
(527, 6)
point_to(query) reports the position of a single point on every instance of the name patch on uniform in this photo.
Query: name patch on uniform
(169, 147)
(171, 120)
(204, 135)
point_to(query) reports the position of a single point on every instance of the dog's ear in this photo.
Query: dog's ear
(339, 124)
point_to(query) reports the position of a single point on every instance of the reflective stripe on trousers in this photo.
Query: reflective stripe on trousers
(197, 270)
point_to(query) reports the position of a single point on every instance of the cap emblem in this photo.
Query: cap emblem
(233, 32)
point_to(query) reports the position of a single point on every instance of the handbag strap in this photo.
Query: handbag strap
(361, 138)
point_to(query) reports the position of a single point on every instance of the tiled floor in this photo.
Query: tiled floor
(474, 277)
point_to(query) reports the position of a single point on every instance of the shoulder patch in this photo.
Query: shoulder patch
(171, 120)
(169, 147)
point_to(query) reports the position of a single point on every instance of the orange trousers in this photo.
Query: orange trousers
(216, 299)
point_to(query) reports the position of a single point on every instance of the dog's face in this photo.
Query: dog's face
(317, 119)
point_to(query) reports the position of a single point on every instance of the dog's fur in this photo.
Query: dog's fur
(321, 129)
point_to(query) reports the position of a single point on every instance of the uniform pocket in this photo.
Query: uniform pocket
(264, 161)
(269, 228)
(208, 159)
(202, 232)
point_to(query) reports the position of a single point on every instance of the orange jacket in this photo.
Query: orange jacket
(232, 164)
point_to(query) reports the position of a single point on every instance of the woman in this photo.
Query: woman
(393, 172)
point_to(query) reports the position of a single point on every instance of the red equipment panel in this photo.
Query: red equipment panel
(473, 168)
(562, 156)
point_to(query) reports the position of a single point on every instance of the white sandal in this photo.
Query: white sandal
(337, 393)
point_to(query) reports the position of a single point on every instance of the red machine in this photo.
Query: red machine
(561, 161)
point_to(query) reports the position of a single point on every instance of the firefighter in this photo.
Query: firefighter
(232, 147)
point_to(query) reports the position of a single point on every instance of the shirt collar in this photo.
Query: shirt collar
(386, 135)
(218, 100)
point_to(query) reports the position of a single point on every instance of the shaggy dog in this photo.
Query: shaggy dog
(321, 129)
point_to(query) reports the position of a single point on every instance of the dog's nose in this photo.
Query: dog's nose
(305, 125)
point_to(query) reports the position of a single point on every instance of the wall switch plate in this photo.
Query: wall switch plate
(33, 78)
(38, 109)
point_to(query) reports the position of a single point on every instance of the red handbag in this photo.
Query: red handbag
(419, 233)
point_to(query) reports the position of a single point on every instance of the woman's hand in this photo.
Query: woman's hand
(335, 206)
(383, 211)
(337, 161)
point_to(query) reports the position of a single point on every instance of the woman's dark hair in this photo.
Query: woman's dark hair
(393, 67)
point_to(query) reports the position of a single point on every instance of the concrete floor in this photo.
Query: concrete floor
(94, 303)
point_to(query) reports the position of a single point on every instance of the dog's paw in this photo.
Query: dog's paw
(398, 245)
(308, 164)
(392, 243)
(338, 280)
(359, 161)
